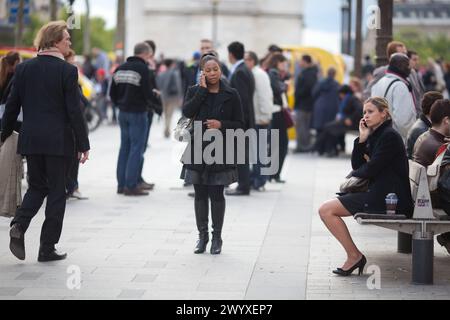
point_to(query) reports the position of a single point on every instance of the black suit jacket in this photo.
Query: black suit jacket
(46, 88)
(243, 81)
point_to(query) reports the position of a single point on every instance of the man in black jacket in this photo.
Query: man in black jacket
(132, 91)
(46, 88)
(304, 102)
(242, 79)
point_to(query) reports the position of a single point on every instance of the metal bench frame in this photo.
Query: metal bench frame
(425, 224)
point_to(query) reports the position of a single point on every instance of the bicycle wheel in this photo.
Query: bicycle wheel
(93, 118)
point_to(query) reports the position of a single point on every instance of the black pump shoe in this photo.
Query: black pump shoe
(216, 246)
(346, 273)
(201, 245)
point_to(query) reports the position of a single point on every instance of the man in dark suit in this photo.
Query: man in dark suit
(242, 79)
(53, 130)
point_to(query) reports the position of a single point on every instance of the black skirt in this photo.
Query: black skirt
(206, 178)
(354, 202)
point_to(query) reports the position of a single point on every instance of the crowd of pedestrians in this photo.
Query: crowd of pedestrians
(398, 109)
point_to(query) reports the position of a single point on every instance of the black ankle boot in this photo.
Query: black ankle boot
(216, 246)
(218, 214)
(201, 218)
(201, 244)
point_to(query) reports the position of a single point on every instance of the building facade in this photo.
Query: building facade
(177, 26)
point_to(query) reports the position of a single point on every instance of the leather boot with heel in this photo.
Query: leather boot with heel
(201, 218)
(218, 214)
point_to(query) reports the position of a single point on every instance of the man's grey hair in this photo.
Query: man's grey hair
(142, 48)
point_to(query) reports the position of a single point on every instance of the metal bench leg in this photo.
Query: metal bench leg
(404, 243)
(422, 258)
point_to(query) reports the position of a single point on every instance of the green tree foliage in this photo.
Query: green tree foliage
(434, 46)
(100, 36)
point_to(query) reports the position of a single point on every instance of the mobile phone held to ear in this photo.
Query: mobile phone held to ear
(365, 124)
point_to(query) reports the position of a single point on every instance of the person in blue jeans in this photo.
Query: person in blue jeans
(131, 90)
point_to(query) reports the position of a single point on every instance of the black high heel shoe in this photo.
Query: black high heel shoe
(346, 273)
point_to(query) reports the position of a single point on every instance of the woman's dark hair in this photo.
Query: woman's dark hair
(210, 56)
(5, 63)
(275, 60)
(345, 89)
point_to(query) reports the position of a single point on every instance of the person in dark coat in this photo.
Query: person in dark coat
(326, 95)
(214, 106)
(379, 155)
(347, 119)
(277, 65)
(242, 79)
(304, 102)
(423, 124)
(8, 66)
(53, 130)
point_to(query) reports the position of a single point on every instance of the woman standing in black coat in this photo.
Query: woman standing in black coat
(218, 107)
(379, 155)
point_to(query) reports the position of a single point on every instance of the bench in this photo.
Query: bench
(423, 226)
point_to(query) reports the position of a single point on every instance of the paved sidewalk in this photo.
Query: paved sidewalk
(275, 246)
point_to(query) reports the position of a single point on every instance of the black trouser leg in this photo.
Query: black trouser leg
(244, 171)
(56, 201)
(36, 193)
(279, 123)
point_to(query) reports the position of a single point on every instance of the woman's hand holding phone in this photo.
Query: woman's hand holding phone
(203, 80)
(364, 131)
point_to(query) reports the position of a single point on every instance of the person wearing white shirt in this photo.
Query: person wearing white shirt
(263, 107)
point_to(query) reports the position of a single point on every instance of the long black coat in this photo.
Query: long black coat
(227, 109)
(387, 170)
(244, 82)
(46, 88)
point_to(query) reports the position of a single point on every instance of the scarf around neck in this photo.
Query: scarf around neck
(52, 52)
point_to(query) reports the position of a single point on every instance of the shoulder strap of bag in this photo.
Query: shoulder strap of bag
(390, 86)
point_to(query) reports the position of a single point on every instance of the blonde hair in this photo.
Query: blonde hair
(50, 34)
(381, 104)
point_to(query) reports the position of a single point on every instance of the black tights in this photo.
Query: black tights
(202, 195)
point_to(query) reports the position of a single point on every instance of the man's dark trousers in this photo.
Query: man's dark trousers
(244, 171)
(47, 175)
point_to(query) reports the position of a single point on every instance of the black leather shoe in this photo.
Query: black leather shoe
(443, 242)
(216, 246)
(346, 273)
(237, 192)
(17, 242)
(51, 256)
(120, 190)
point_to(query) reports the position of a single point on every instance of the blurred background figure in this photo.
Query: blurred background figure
(171, 88)
(326, 103)
(8, 66)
